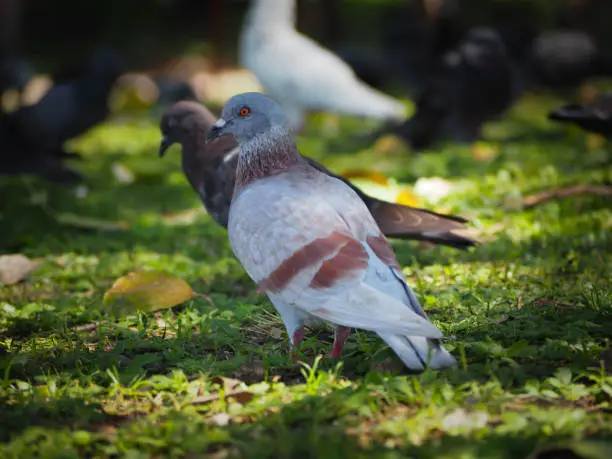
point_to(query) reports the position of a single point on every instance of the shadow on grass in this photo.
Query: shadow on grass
(21, 414)
(317, 426)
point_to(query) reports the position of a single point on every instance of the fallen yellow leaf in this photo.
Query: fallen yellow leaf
(371, 175)
(482, 151)
(146, 291)
(406, 198)
(390, 145)
(595, 141)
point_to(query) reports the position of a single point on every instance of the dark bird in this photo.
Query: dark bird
(595, 116)
(211, 171)
(32, 137)
(564, 58)
(475, 82)
(69, 109)
(19, 157)
(415, 35)
(171, 91)
(15, 73)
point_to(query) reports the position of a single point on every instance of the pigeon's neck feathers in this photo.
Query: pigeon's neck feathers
(270, 15)
(266, 155)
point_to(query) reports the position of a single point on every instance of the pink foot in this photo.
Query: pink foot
(341, 334)
(298, 336)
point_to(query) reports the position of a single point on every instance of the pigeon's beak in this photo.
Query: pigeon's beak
(164, 145)
(217, 130)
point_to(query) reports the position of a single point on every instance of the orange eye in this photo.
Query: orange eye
(244, 111)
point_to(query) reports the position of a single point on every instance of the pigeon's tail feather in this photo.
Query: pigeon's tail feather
(569, 113)
(418, 353)
(405, 222)
(367, 102)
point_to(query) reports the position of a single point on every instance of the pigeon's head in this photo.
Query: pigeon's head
(180, 121)
(246, 116)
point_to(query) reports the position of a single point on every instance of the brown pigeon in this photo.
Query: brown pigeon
(211, 169)
(311, 243)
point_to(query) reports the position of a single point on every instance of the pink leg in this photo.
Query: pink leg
(298, 336)
(341, 334)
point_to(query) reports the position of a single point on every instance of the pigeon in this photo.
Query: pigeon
(595, 116)
(564, 58)
(17, 156)
(300, 74)
(476, 82)
(311, 244)
(415, 35)
(211, 170)
(71, 108)
(171, 91)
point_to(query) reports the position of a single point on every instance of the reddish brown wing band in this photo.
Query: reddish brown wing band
(348, 256)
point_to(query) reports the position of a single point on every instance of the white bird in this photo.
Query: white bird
(300, 74)
(311, 244)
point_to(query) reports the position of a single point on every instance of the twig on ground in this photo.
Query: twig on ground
(565, 192)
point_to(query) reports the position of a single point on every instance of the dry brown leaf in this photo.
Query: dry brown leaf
(14, 268)
(231, 388)
(276, 332)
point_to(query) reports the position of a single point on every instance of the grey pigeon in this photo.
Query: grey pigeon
(211, 171)
(595, 116)
(475, 83)
(300, 74)
(312, 245)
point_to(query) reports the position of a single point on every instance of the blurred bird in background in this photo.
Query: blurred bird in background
(595, 116)
(565, 58)
(32, 137)
(475, 82)
(302, 75)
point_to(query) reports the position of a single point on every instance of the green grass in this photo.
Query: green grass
(528, 314)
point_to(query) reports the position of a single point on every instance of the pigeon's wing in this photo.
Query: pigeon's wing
(405, 222)
(322, 255)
